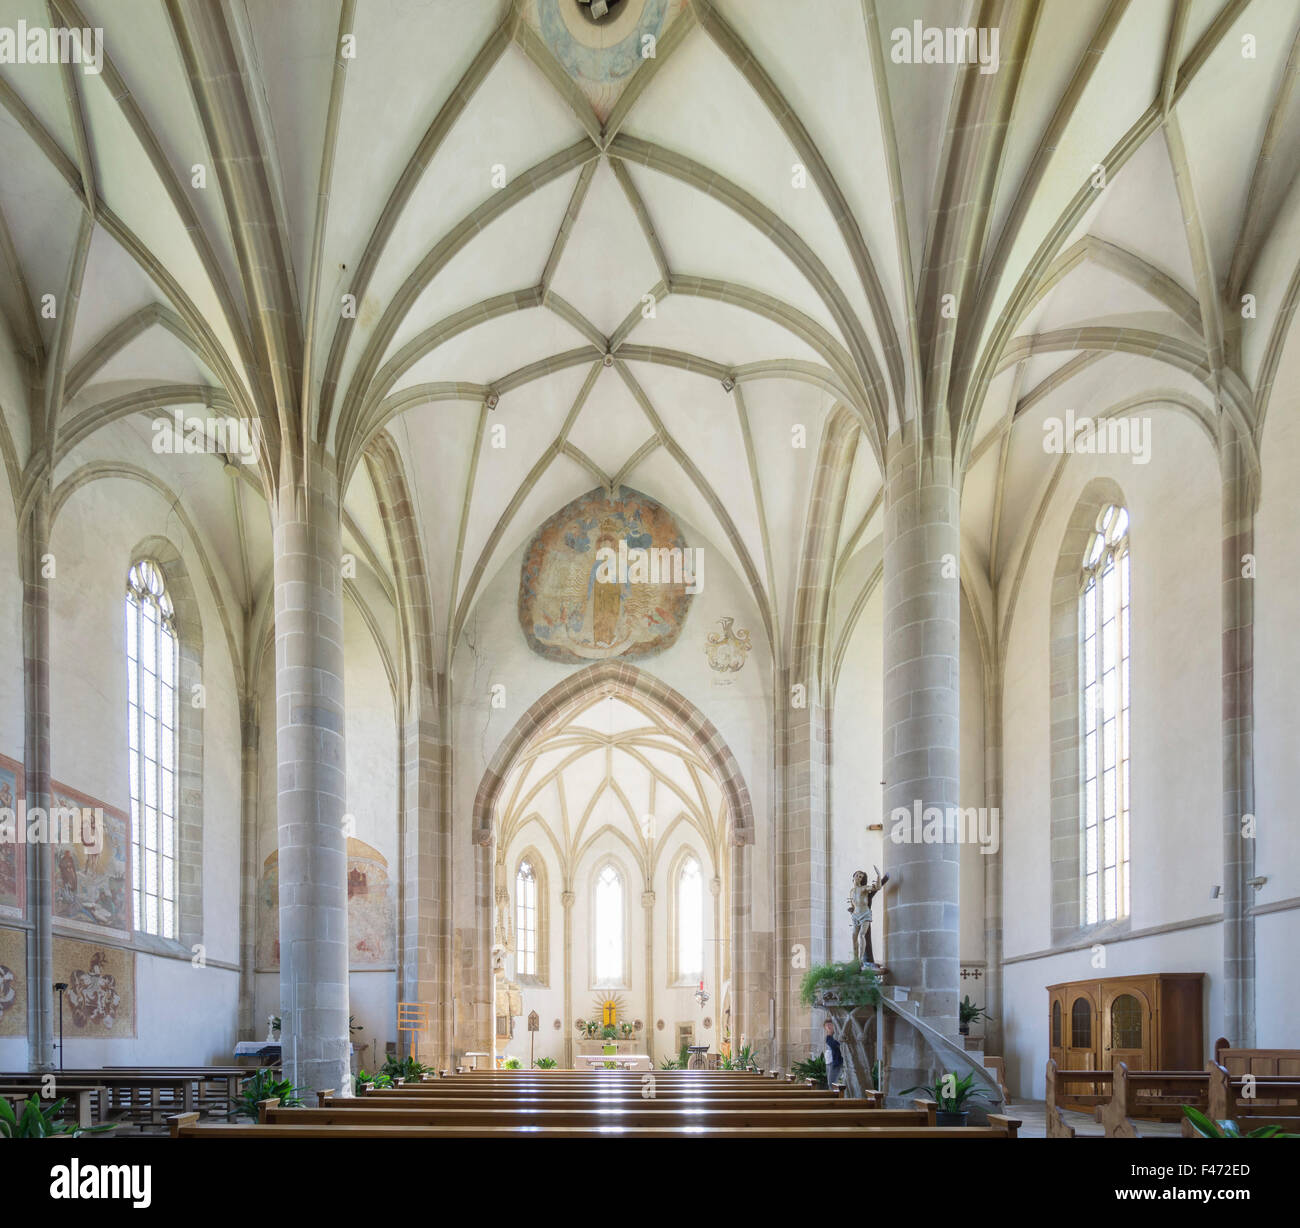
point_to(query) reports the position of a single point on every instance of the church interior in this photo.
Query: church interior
(708, 554)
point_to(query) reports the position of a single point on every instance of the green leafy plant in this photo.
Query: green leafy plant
(609, 1032)
(743, 1059)
(856, 987)
(37, 1121)
(513, 1063)
(969, 1012)
(1207, 1127)
(265, 1086)
(406, 1068)
(950, 1093)
(379, 1079)
(814, 1068)
(546, 1063)
(627, 1028)
(669, 1063)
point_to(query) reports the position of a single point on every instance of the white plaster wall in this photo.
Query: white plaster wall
(1024, 993)
(91, 541)
(1175, 845)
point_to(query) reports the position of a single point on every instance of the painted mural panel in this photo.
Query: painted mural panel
(607, 578)
(13, 983)
(90, 880)
(100, 999)
(372, 919)
(13, 882)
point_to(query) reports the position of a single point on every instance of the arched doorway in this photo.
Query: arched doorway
(619, 825)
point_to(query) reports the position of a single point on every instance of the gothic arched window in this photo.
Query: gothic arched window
(526, 920)
(609, 926)
(690, 920)
(151, 666)
(1104, 688)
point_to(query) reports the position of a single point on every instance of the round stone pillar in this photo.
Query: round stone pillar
(312, 789)
(921, 734)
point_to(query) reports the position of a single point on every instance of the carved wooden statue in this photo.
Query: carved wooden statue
(863, 892)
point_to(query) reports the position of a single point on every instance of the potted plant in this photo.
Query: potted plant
(969, 1013)
(950, 1095)
(265, 1086)
(513, 1063)
(840, 985)
(1207, 1127)
(814, 1068)
(36, 1121)
(546, 1063)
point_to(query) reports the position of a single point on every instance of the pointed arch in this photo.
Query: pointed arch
(619, 677)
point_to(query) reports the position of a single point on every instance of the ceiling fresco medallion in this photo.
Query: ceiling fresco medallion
(601, 43)
(607, 578)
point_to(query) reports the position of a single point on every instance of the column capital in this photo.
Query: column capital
(647, 899)
(567, 898)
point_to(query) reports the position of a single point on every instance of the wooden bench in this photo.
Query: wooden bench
(1120, 1095)
(1256, 1061)
(187, 1125)
(648, 1113)
(1251, 1100)
(84, 1101)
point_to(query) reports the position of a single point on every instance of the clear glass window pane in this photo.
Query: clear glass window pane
(609, 926)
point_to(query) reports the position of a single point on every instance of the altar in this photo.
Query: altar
(621, 1061)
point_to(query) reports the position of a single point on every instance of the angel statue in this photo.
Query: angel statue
(863, 892)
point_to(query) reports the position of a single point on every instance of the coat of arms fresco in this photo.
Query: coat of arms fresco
(607, 577)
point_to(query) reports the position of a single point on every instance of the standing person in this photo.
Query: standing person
(834, 1059)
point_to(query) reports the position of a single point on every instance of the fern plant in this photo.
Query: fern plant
(37, 1121)
(814, 1068)
(265, 1086)
(1207, 1127)
(406, 1068)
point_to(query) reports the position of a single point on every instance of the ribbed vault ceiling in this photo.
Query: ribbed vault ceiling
(793, 203)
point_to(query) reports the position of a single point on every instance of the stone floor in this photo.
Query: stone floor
(1033, 1113)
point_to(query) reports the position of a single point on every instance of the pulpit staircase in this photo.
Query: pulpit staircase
(934, 1050)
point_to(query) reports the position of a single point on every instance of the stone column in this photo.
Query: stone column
(993, 862)
(648, 910)
(426, 974)
(567, 899)
(312, 788)
(249, 729)
(804, 916)
(36, 780)
(1238, 510)
(739, 901)
(921, 735)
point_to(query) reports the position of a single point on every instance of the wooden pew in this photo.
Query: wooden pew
(647, 1113)
(1251, 1100)
(187, 1125)
(1256, 1061)
(85, 1101)
(1166, 1093)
